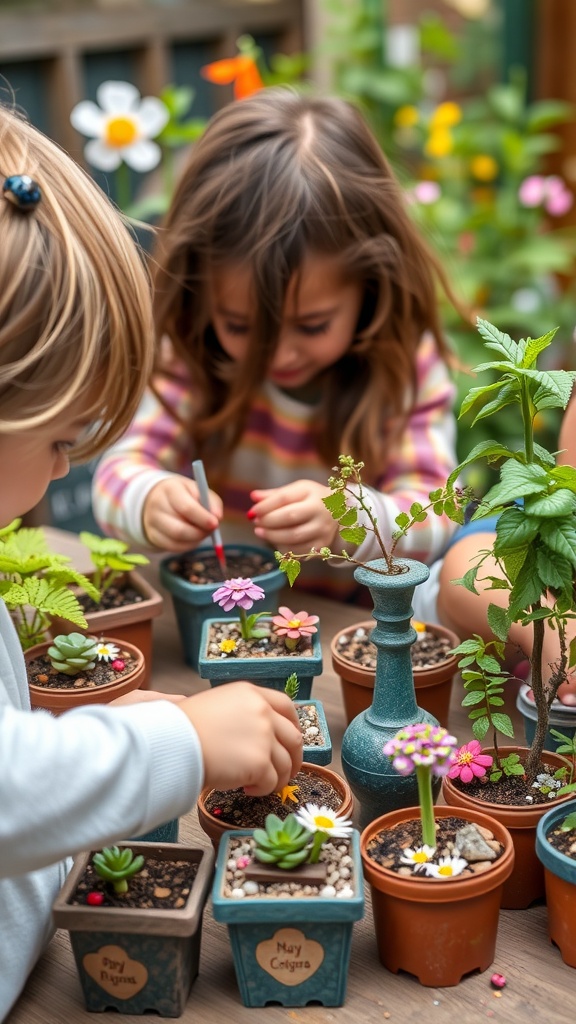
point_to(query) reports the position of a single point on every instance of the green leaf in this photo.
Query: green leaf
(490, 450)
(349, 518)
(514, 529)
(503, 724)
(516, 481)
(561, 502)
(497, 340)
(554, 570)
(560, 536)
(473, 697)
(354, 534)
(480, 728)
(290, 566)
(336, 504)
(534, 346)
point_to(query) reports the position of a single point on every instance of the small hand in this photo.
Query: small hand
(173, 518)
(250, 737)
(293, 517)
(142, 696)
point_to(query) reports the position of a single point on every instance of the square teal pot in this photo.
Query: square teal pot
(292, 952)
(270, 672)
(193, 601)
(137, 960)
(318, 753)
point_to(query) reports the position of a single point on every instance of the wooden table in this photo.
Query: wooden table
(540, 986)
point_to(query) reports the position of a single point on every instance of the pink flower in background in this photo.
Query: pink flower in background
(237, 593)
(427, 192)
(294, 625)
(532, 190)
(550, 192)
(470, 763)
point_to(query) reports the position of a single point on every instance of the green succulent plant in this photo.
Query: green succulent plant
(292, 686)
(117, 865)
(73, 653)
(284, 843)
(110, 558)
(35, 583)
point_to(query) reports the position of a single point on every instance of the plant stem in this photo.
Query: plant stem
(244, 627)
(123, 186)
(317, 844)
(426, 805)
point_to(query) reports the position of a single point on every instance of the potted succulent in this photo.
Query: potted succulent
(435, 873)
(534, 552)
(260, 647)
(192, 578)
(290, 893)
(317, 745)
(36, 584)
(221, 811)
(556, 849)
(75, 669)
(391, 580)
(433, 667)
(126, 602)
(136, 934)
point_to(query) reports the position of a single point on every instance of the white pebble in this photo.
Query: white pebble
(345, 893)
(313, 731)
(237, 894)
(360, 634)
(231, 864)
(250, 887)
(327, 892)
(344, 872)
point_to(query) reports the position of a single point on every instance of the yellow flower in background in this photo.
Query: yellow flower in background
(440, 143)
(446, 116)
(406, 117)
(484, 167)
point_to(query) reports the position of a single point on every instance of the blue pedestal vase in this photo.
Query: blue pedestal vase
(272, 671)
(560, 882)
(137, 960)
(293, 951)
(317, 753)
(193, 601)
(372, 779)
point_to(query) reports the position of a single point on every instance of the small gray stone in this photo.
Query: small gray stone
(472, 846)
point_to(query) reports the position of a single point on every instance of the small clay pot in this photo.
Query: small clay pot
(526, 883)
(58, 701)
(436, 930)
(215, 827)
(433, 685)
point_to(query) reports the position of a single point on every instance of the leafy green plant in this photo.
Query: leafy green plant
(566, 745)
(117, 865)
(285, 843)
(569, 822)
(348, 501)
(35, 583)
(535, 500)
(292, 686)
(73, 653)
(111, 558)
(484, 681)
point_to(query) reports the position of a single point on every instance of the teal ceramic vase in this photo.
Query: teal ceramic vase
(372, 779)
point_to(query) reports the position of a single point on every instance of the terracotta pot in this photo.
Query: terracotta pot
(131, 623)
(215, 827)
(526, 883)
(155, 951)
(58, 701)
(433, 685)
(436, 930)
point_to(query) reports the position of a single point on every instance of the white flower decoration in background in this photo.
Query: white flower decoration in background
(419, 857)
(122, 128)
(447, 867)
(106, 651)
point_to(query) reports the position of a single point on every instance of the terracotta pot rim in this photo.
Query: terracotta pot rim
(520, 815)
(432, 890)
(365, 676)
(48, 691)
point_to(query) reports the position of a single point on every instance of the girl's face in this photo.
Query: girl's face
(319, 318)
(31, 459)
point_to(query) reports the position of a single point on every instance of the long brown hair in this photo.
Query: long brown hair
(275, 177)
(75, 303)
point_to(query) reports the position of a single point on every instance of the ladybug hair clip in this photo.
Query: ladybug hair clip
(22, 191)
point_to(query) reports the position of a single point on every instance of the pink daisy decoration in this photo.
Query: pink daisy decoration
(293, 626)
(470, 763)
(237, 593)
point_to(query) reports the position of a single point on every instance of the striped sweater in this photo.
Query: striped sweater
(277, 448)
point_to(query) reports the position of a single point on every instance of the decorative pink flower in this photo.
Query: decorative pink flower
(427, 192)
(237, 593)
(558, 198)
(470, 763)
(421, 746)
(532, 190)
(294, 625)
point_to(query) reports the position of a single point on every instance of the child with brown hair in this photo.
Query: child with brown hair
(75, 352)
(296, 306)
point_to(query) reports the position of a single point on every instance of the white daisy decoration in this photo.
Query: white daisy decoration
(106, 651)
(121, 128)
(323, 819)
(447, 867)
(419, 857)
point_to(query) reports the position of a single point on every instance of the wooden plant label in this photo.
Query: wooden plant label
(305, 874)
(289, 956)
(113, 970)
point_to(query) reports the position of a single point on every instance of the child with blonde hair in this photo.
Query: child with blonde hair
(75, 351)
(296, 305)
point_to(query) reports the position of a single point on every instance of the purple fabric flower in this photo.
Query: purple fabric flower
(422, 745)
(237, 593)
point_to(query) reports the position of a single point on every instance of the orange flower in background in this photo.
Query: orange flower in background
(242, 70)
